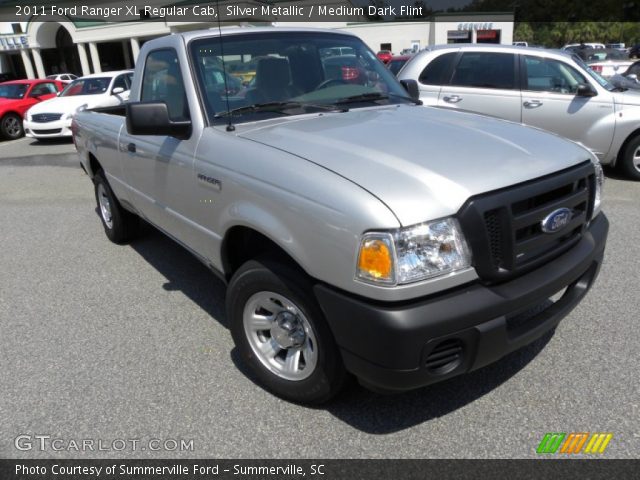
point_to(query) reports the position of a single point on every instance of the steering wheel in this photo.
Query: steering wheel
(327, 83)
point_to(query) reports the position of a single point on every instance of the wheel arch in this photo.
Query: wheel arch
(242, 243)
(93, 164)
(632, 136)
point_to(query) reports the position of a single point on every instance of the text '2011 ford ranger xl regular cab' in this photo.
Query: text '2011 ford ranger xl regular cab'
(358, 232)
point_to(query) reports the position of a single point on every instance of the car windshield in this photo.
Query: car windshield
(87, 86)
(14, 90)
(282, 73)
(602, 81)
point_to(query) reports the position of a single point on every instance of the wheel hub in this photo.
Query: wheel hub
(288, 331)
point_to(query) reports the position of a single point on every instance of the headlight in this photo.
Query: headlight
(68, 116)
(599, 184)
(412, 254)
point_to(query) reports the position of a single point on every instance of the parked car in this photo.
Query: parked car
(358, 231)
(607, 62)
(570, 46)
(385, 56)
(397, 62)
(629, 78)
(634, 52)
(63, 77)
(16, 97)
(617, 46)
(544, 88)
(52, 119)
(345, 69)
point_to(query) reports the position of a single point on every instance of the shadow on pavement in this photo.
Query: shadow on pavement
(47, 142)
(382, 414)
(183, 272)
(360, 408)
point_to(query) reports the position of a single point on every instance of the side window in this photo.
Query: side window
(485, 70)
(549, 75)
(162, 82)
(44, 89)
(120, 82)
(434, 73)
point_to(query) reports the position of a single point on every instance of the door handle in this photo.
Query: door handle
(131, 147)
(452, 98)
(532, 103)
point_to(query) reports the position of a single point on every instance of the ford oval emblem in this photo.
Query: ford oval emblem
(556, 220)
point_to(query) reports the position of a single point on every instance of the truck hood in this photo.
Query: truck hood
(422, 162)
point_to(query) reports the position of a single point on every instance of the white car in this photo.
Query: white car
(569, 46)
(63, 77)
(52, 118)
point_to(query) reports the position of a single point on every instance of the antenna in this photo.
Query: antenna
(230, 127)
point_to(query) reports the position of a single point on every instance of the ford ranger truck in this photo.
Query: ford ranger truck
(359, 233)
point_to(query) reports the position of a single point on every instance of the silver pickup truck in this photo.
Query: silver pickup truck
(359, 233)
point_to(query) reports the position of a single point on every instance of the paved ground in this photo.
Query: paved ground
(99, 341)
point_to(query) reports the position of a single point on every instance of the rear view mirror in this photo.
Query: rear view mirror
(411, 86)
(117, 91)
(153, 119)
(585, 90)
(633, 77)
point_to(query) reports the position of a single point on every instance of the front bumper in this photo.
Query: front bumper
(394, 346)
(58, 128)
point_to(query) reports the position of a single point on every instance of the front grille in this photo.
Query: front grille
(47, 132)
(504, 228)
(45, 117)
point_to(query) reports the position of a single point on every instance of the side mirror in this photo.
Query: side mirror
(411, 86)
(117, 91)
(633, 77)
(585, 90)
(153, 119)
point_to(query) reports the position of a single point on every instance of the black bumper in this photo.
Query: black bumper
(400, 346)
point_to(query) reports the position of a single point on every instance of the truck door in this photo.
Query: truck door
(159, 168)
(549, 101)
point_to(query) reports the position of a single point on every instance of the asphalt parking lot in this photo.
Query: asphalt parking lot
(105, 342)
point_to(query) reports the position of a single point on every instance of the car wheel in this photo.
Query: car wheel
(119, 224)
(281, 334)
(630, 164)
(11, 126)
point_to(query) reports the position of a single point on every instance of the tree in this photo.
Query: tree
(523, 33)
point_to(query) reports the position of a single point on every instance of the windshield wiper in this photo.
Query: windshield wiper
(375, 96)
(363, 97)
(278, 107)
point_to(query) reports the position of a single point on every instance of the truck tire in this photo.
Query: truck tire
(119, 224)
(11, 126)
(281, 334)
(630, 164)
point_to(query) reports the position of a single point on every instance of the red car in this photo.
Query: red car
(16, 97)
(384, 56)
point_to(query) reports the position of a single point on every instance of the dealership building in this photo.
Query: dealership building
(67, 44)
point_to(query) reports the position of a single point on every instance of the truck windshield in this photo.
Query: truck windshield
(275, 73)
(87, 86)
